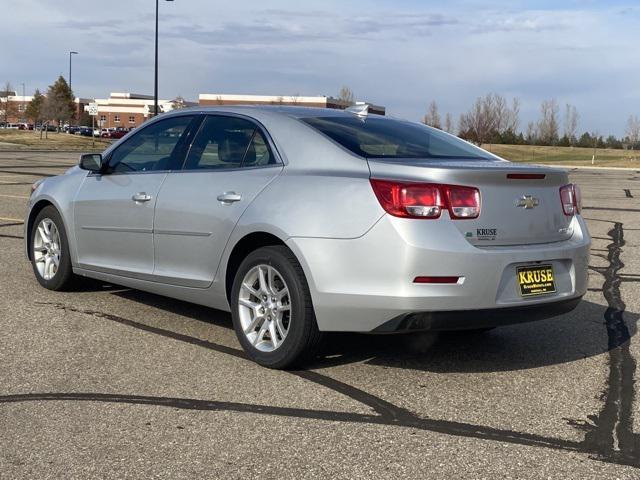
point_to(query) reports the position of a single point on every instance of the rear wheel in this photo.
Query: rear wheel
(272, 310)
(49, 249)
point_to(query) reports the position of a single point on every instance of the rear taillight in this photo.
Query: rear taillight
(577, 196)
(571, 199)
(463, 202)
(426, 200)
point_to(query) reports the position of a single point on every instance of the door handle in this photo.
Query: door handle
(141, 197)
(227, 198)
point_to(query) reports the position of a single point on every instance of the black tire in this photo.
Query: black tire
(64, 277)
(303, 338)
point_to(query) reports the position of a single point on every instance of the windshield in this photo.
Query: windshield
(378, 137)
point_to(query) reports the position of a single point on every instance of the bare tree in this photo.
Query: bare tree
(532, 133)
(346, 95)
(484, 119)
(7, 108)
(448, 123)
(432, 118)
(633, 130)
(512, 116)
(571, 123)
(548, 123)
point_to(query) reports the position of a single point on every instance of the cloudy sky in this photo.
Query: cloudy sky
(400, 53)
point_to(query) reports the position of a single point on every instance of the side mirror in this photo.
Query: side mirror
(91, 162)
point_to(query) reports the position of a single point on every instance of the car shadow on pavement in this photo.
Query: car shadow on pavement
(575, 336)
(580, 334)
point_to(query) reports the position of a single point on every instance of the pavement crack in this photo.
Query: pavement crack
(611, 436)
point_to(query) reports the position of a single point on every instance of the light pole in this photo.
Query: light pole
(70, 53)
(70, 90)
(155, 85)
(24, 108)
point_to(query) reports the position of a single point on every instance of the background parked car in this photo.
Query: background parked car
(118, 133)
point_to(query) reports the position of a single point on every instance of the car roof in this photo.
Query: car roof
(285, 110)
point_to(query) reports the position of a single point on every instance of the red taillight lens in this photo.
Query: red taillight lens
(526, 176)
(577, 197)
(463, 202)
(436, 280)
(426, 200)
(413, 200)
(571, 199)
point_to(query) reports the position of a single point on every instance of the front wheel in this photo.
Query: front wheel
(49, 249)
(272, 310)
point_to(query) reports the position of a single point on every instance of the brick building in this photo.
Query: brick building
(16, 106)
(207, 99)
(124, 109)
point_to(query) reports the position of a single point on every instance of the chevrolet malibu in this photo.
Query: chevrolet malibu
(301, 221)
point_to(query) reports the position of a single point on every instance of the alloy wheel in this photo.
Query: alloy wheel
(47, 249)
(264, 307)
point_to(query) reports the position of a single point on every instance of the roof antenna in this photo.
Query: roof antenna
(361, 110)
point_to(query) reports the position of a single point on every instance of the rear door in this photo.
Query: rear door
(230, 161)
(114, 211)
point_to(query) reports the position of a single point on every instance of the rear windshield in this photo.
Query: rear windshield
(377, 137)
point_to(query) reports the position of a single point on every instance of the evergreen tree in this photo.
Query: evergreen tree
(59, 105)
(35, 109)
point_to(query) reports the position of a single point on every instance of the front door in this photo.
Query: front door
(114, 211)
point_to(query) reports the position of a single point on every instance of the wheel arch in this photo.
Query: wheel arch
(33, 213)
(243, 247)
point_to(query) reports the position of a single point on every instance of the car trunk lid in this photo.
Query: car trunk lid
(520, 204)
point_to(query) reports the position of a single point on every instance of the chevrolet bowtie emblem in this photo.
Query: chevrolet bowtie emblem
(527, 202)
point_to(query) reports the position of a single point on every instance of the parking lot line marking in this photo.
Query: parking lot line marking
(13, 196)
(12, 219)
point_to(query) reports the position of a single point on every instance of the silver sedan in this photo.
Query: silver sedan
(301, 221)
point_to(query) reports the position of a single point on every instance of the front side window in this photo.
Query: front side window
(384, 138)
(228, 142)
(156, 147)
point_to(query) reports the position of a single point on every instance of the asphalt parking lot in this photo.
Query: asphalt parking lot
(108, 382)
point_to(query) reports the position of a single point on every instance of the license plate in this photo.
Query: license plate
(536, 280)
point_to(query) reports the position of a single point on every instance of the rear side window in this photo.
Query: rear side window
(228, 142)
(378, 137)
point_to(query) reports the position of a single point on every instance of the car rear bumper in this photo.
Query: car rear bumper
(470, 319)
(366, 284)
